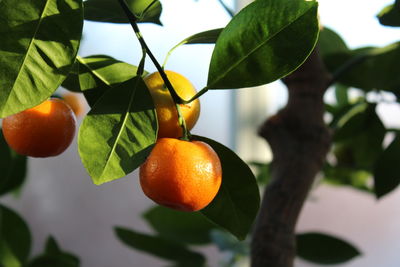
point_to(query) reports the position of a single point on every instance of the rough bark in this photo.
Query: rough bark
(299, 141)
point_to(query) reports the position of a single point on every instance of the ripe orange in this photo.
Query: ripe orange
(75, 102)
(42, 131)
(183, 175)
(167, 115)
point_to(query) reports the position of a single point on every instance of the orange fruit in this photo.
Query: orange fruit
(42, 131)
(167, 115)
(75, 102)
(183, 175)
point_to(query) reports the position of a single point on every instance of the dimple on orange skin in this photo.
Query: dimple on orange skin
(183, 175)
(42, 131)
(167, 115)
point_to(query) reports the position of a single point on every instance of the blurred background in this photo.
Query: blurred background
(59, 197)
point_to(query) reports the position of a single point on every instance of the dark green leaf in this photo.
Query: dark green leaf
(370, 68)
(186, 227)
(236, 204)
(324, 249)
(347, 176)
(39, 43)
(111, 11)
(96, 74)
(72, 81)
(270, 37)
(362, 132)
(329, 42)
(390, 16)
(53, 256)
(12, 168)
(120, 130)
(262, 169)
(160, 247)
(15, 238)
(387, 169)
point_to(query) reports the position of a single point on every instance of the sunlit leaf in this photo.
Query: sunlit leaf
(111, 11)
(264, 42)
(390, 16)
(236, 205)
(94, 75)
(38, 46)
(120, 130)
(324, 249)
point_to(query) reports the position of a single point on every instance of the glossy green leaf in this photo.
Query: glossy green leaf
(324, 249)
(206, 37)
(12, 168)
(40, 40)
(368, 68)
(15, 238)
(94, 75)
(329, 42)
(53, 256)
(387, 169)
(186, 227)
(264, 42)
(236, 204)
(390, 16)
(160, 247)
(120, 130)
(111, 11)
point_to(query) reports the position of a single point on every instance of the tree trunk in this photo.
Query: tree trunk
(299, 140)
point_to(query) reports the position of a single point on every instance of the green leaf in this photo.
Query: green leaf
(160, 247)
(12, 168)
(390, 16)
(184, 227)
(120, 130)
(262, 169)
(348, 176)
(362, 133)
(111, 11)
(40, 40)
(387, 169)
(324, 249)
(99, 73)
(236, 204)
(329, 42)
(53, 256)
(206, 37)
(264, 42)
(15, 238)
(341, 95)
(371, 68)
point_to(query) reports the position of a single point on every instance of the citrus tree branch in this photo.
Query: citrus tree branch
(133, 21)
(299, 141)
